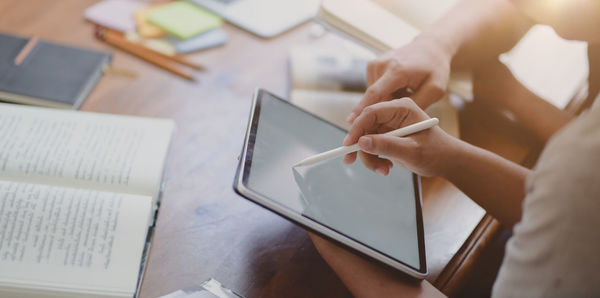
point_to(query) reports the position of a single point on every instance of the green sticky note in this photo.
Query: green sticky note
(184, 19)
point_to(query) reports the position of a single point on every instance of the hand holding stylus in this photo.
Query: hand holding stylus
(400, 132)
(426, 153)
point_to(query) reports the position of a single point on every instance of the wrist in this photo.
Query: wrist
(447, 46)
(451, 157)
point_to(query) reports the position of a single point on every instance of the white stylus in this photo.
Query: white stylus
(400, 132)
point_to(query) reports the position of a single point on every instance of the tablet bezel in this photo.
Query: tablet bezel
(240, 187)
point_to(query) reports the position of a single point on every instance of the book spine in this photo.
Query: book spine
(91, 83)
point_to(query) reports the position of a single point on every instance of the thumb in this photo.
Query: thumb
(386, 145)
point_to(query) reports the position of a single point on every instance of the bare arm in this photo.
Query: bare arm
(496, 84)
(476, 43)
(365, 278)
(472, 32)
(496, 184)
(493, 182)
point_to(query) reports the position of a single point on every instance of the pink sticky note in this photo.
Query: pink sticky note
(114, 14)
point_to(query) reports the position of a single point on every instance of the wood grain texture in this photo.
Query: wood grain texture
(204, 229)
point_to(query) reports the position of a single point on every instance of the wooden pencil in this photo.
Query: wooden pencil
(26, 50)
(185, 62)
(117, 40)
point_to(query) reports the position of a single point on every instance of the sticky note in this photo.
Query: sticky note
(161, 45)
(183, 19)
(209, 39)
(114, 14)
(144, 28)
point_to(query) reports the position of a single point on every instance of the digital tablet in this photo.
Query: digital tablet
(378, 216)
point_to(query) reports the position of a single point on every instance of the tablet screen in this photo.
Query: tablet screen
(379, 212)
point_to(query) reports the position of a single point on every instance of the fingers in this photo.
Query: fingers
(388, 114)
(368, 130)
(372, 72)
(381, 90)
(374, 146)
(349, 158)
(431, 91)
(376, 68)
(380, 165)
(386, 145)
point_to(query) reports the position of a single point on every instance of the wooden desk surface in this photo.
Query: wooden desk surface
(204, 229)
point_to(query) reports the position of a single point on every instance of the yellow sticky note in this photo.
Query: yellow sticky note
(160, 45)
(183, 19)
(144, 28)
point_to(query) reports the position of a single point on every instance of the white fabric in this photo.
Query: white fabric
(555, 249)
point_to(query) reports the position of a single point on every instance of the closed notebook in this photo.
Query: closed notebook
(51, 74)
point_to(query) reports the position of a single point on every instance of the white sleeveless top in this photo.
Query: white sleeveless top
(555, 249)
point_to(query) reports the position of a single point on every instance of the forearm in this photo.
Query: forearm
(497, 85)
(366, 278)
(493, 182)
(475, 30)
(539, 116)
(496, 184)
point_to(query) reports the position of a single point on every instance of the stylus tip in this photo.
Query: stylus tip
(301, 163)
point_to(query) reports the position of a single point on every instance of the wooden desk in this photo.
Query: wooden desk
(204, 229)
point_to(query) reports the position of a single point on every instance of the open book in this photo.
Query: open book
(551, 67)
(77, 198)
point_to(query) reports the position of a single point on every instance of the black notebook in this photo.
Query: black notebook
(50, 75)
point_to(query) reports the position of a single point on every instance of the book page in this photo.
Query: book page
(56, 237)
(83, 150)
(368, 22)
(419, 14)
